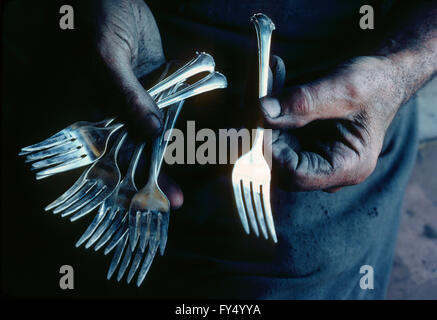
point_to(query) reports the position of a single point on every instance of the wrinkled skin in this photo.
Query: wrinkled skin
(126, 46)
(339, 124)
(328, 133)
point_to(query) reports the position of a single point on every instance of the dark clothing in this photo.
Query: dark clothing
(324, 238)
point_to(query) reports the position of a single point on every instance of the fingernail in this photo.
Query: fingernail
(152, 124)
(271, 107)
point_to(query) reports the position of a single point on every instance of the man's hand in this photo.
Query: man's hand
(339, 124)
(329, 133)
(126, 45)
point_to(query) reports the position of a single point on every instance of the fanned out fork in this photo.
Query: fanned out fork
(112, 212)
(77, 145)
(148, 217)
(94, 185)
(83, 142)
(110, 225)
(251, 173)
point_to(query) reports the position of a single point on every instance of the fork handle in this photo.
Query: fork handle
(159, 144)
(264, 28)
(258, 140)
(202, 62)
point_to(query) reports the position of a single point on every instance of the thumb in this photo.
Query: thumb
(294, 107)
(277, 76)
(130, 100)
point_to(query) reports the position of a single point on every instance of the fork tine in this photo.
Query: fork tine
(259, 210)
(103, 211)
(134, 219)
(66, 195)
(50, 152)
(68, 156)
(164, 232)
(125, 263)
(103, 227)
(240, 205)
(117, 257)
(70, 165)
(94, 203)
(111, 230)
(147, 262)
(54, 140)
(135, 264)
(122, 232)
(155, 236)
(76, 197)
(249, 206)
(146, 228)
(119, 223)
(81, 202)
(268, 211)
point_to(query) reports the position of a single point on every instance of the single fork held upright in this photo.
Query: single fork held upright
(251, 173)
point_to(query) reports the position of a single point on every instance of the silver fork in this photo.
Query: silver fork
(93, 186)
(202, 62)
(214, 80)
(148, 217)
(114, 207)
(251, 173)
(75, 146)
(80, 145)
(112, 212)
(83, 142)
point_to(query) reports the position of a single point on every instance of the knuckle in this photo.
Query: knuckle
(363, 169)
(133, 99)
(302, 100)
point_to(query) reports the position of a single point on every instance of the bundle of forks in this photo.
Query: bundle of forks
(130, 221)
(134, 223)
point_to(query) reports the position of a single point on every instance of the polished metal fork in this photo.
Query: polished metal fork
(202, 62)
(83, 142)
(212, 81)
(93, 186)
(112, 212)
(78, 145)
(251, 173)
(114, 209)
(148, 217)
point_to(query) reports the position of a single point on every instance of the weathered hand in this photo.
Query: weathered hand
(126, 46)
(329, 132)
